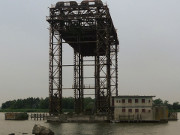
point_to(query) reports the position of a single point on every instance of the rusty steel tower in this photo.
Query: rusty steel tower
(88, 28)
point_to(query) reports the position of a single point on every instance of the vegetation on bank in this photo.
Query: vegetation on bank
(24, 110)
(175, 107)
(41, 105)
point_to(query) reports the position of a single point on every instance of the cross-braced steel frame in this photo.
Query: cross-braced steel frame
(89, 30)
(78, 82)
(55, 71)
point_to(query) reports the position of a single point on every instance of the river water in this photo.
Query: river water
(20, 127)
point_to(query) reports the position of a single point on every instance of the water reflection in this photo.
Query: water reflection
(19, 127)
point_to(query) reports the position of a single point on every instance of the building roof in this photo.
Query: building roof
(132, 96)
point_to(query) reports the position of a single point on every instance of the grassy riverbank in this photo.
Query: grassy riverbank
(174, 110)
(23, 110)
(32, 110)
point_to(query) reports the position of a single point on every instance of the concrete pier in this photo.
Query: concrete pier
(78, 119)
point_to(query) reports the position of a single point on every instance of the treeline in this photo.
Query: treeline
(67, 104)
(172, 107)
(43, 103)
(29, 103)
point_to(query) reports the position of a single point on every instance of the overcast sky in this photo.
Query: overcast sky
(149, 58)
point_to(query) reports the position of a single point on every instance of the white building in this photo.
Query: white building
(136, 108)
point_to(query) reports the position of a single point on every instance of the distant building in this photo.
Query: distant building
(137, 108)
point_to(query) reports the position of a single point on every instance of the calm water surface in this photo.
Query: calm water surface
(20, 127)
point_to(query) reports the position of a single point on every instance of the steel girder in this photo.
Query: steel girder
(90, 32)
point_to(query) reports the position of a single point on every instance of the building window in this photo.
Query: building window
(116, 101)
(149, 101)
(143, 110)
(123, 110)
(123, 100)
(130, 110)
(129, 100)
(136, 110)
(136, 100)
(119, 101)
(143, 100)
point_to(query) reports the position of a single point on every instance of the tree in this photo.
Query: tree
(176, 106)
(158, 102)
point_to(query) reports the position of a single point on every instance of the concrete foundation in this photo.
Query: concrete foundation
(16, 116)
(78, 118)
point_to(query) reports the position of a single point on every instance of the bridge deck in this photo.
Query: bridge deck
(78, 25)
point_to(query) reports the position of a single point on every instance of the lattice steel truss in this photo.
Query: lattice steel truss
(89, 30)
(55, 71)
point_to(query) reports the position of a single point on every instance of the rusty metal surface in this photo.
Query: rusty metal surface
(88, 28)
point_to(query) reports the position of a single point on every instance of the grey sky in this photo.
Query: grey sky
(149, 58)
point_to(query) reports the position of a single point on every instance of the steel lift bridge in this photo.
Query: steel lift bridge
(88, 28)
